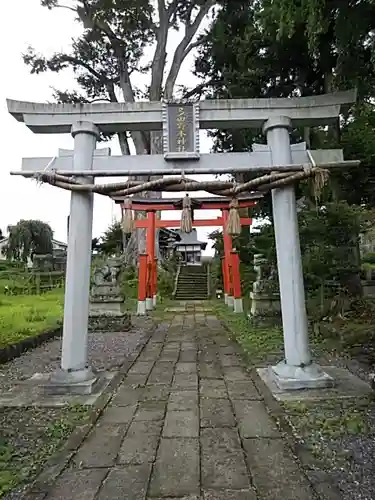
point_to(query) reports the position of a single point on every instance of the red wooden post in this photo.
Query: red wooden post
(227, 255)
(155, 282)
(237, 298)
(142, 283)
(225, 278)
(150, 249)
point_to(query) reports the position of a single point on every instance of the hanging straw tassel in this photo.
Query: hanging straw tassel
(186, 216)
(127, 217)
(319, 181)
(234, 221)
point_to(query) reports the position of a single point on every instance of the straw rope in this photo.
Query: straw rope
(261, 184)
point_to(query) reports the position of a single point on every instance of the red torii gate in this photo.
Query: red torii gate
(147, 272)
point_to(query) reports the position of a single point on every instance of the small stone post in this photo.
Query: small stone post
(74, 362)
(297, 370)
(237, 296)
(142, 284)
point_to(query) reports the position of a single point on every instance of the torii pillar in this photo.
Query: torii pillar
(297, 371)
(75, 374)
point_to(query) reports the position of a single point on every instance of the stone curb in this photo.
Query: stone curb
(16, 350)
(322, 483)
(54, 467)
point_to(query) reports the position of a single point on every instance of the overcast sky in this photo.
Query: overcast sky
(47, 31)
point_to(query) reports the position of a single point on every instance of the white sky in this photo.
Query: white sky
(48, 32)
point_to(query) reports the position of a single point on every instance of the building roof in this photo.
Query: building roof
(190, 239)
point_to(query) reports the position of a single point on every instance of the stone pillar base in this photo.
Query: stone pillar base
(141, 308)
(226, 298)
(238, 305)
(291, 378)
(230, 301)
(149, 303)
(154, 302)
(62, 382)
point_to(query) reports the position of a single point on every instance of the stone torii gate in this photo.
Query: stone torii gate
(147, 271)
(180, 123)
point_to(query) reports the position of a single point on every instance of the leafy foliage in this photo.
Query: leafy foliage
(112, 241)
(28, 238)
(111, 50)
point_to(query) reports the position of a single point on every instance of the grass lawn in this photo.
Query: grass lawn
(258, 342)
(23, 316)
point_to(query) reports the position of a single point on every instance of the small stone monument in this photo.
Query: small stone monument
(107, 308)
(265, 297)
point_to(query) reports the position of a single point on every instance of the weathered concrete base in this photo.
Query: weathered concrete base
(226, 298)
(149, 304)
(39, 390)
(230, 301)
(79, 383)
(238, 305)
(141, 308)
(346, 385)
(292, 378)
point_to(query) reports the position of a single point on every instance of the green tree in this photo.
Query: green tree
(110, 53)
(28, 238)
(112, 241)
(248, 55)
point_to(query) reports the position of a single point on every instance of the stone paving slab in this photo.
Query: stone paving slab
(187, 423)
(177, 468)
(216, 413)
(276, 475)
(223, 462)
(129, 482)
(101, 447)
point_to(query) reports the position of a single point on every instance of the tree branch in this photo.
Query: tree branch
(194, 45)
(51, 4)
(89, 21)
(160, 55)
(181, 50)
(172, 8)
(198, 90)
(79, 62)
(122, 137)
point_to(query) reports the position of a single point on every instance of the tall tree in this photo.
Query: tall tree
(111, 243)
(28, 238)
(110, 53)
(249, 54)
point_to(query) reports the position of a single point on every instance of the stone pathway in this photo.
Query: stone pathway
(187, 423)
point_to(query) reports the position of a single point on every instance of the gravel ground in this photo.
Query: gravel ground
(29, 436)
(342, 435)
(356, 476)
(106, 352)
(352, 463)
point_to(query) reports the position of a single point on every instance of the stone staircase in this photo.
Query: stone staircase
(192, 283)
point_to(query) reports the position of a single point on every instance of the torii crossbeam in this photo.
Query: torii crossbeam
(180, 124)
